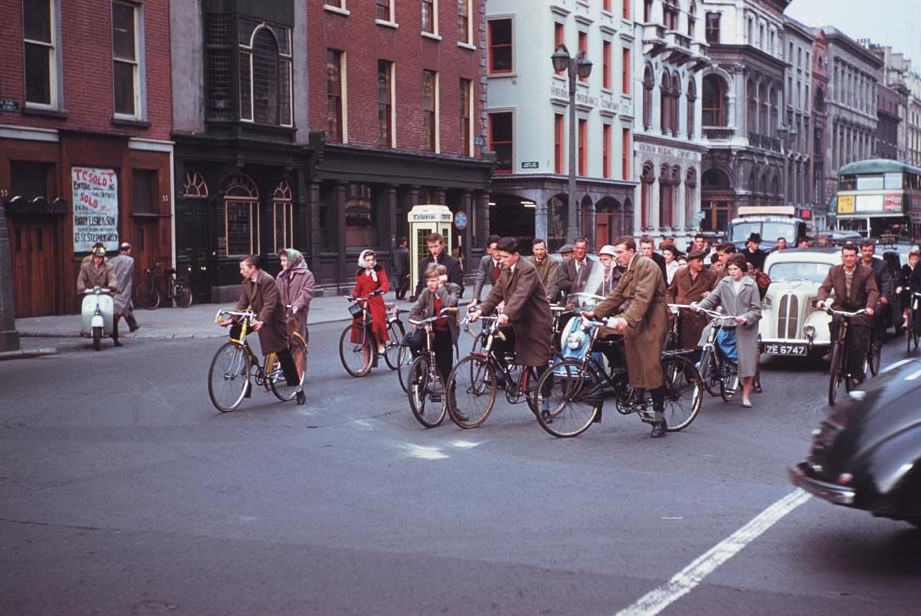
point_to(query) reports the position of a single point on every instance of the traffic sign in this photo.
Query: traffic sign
(460, 221)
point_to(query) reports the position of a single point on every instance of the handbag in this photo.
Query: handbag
(290, 325)
(355, 310)
(762, 280)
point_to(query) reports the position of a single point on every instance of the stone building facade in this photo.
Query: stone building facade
(797, 132)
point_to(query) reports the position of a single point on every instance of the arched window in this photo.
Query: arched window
(675, 98)
(665, 197)
(765, 104)
(775, 107)
(283, 214)
(690, 199)
(714, 101)
(665, 106)
(692, 18)
(691, 99)
(265, 75)
(819, 104)
(648, 84)
(751, 117)
(241, 217)
(646, 181)
(194, 186)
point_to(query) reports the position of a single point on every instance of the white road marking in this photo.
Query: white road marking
(424, 453)
(691, 576)
(895, 365)
(465, 444)
(913, 376)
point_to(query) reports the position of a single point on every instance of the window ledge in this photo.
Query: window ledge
(44, 111)
(336, 9)
(387, 24)
(466, 45)
(431, 35)
(502, 75)
(132, 122)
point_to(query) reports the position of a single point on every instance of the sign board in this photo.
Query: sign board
(846, 204)
(530, 164)
(9, 104)
(95, 202)
(460, 221)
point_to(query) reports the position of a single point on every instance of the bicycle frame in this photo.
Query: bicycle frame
(491, 331)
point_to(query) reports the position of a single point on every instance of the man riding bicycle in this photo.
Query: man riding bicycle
(855, 288)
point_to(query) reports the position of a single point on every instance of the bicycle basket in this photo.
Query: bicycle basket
(355, 310)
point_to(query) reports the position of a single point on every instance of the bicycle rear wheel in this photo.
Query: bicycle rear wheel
(834, 372)
(404, 362)
(228, 376)
(915, 333)
(426, 393)
(684, 392)
(709, 372)
(874, 355)
(574, 399)
(910, 335)
(182, 293)
(276, 376)
(473, 381)
(355, 350)
(395, 332)
(147, 295)
(729, 379)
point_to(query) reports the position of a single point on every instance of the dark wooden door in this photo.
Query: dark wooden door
(33, 240)
(603, 226)
(195, 254)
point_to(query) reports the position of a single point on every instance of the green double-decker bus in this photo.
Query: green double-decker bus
(879, 198)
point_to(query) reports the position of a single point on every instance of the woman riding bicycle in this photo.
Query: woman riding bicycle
(438, 294)
(296, 287)
(372, 279)
(738, 294)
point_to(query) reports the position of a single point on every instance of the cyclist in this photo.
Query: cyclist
(885, 282)
(372, 278)
(854, 288)
(573, 274)
(643, 322)
(296, 286)
(691, 284)
(438, 294)
(260, 293)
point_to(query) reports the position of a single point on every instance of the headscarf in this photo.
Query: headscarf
(295, 258)
(364, 266)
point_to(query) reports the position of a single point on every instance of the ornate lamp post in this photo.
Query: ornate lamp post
(579, 67)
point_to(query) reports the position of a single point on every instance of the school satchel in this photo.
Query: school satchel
(762, 280)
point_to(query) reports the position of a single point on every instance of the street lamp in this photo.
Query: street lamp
(579, 67)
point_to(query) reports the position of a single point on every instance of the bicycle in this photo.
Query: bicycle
(839, 350)
(718, 372)
(425, 383)
(149, 295)
(358, 348)
(577, 386)
(235, 365)
(474, 379)
(913, 326)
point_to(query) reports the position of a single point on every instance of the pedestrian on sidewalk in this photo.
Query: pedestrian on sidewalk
(123, 267)
(401, 267)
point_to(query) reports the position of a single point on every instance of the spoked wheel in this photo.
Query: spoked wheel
(147, 296)
(911, 337)
(392, 353)
(915, 334)
(473, 381)
(709, 372)
(729, 380)
(834, 372)
(228, 377)
(404, 361)
(182, 293)
(572, 398)
(97, 337)
(684, 392)
(355, 350)
(277, 381)
(426, 393)
(875, 356)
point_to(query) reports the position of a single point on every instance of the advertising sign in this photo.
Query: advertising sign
(95, 202)
(846, 204)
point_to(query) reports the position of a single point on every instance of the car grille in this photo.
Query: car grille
(788, 317)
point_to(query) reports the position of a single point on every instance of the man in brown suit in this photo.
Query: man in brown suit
(855, 288)
(643, 322)
(545, 264)
(572, 275)
(691, 284)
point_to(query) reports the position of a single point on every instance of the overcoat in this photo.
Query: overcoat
(123, 268)
(546, 270)
(91, 276)
(864, 292)
(528, 311)
(484, 274)
(262, 296)
(364, 285)
(746, 303)
(570, 281)
(296, 288)
(640, 295)
(425, 305)
(684, 290)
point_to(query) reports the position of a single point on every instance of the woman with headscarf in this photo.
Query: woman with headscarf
(296, 287)
(372, 277)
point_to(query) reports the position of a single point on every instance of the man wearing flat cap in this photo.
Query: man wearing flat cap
(691, 284)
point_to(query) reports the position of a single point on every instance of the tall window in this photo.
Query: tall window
(335, 95)
(385, 10)
(241, 218)
(647, 11)
(648, 84)
(626, 5)
(283, 214)
(360, 216)
(125, 73)
(430, 109)
(625, 151)
(665, 104)
(692, 18)
(500, 46)
(464, 21)
(38, 21)
(558, 143)
(714, 101)
(713, 28)
(606, 5)
(625, 76)
(466, 117)
(692, 98)
(583, 46)
(430, 16)
(265, 74)
(606, 150)
(385, 102)
(559, 36)
(666, 200)
(583, 147)
(670, 10)
(675, 97)
(501, 140)
(606, 65)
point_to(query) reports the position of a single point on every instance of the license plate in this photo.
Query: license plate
(786, 349)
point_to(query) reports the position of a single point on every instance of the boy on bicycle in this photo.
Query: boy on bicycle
(438, 294)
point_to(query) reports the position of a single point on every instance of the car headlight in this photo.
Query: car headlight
(575, 340)
(809, 331)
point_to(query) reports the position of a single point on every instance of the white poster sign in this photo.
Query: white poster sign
(95, 195)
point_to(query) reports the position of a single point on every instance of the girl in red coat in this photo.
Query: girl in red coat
(372, 277)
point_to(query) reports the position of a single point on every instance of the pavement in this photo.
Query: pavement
(49, 334)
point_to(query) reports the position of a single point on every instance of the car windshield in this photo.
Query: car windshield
(769, 231)
(799, 270)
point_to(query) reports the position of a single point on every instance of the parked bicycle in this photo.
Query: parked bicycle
(840, 349)
(357, 344)
(578, 384)
(476, 378)
(235, 366)
(425, 383)
(159, 283)
(719, 373)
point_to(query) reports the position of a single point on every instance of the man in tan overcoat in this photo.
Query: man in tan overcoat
(643, 321)
(691, 284)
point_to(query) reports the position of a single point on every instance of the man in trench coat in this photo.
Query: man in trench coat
(643, 320)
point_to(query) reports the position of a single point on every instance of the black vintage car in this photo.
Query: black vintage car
(867, 454)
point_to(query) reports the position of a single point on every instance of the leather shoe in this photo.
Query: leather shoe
(300, 397)
(658, 429)
(747, 404)
(117, 343)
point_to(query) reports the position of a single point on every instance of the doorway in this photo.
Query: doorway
(33, 240)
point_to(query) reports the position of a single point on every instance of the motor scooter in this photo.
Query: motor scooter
(97, 313)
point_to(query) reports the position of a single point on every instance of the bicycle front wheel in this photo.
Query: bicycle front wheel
(426, 393)
(404, 362)
(228, 376)
(729, 380)
(392, 349)
(147, 296)
(874, 356)
(914, 330)
(472, 387)
(684, 392)
(709, 372)
(355, 350)
(910, 335)
(182, 293)
(571, 398)
(834, 372)
(278, 383)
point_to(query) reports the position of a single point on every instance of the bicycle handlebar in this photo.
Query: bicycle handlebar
(845, 313)
(223, 313)
(713, 314)
(444, 314)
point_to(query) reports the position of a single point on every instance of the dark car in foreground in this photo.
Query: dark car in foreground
(867, 453)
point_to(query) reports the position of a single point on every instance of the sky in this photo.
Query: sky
(887, 22)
